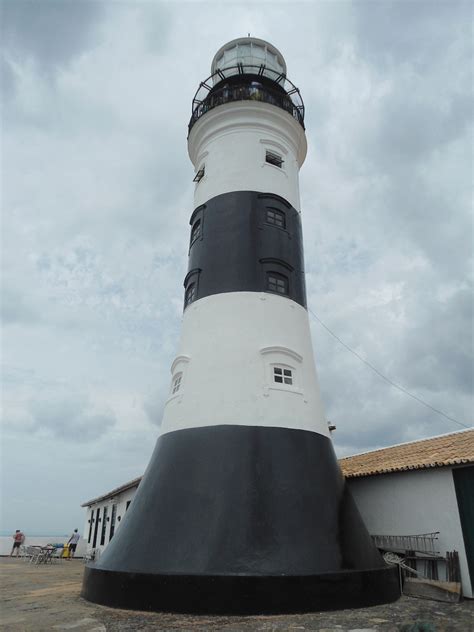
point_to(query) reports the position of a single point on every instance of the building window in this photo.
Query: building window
(112, 522)
(199, 174)
(104, 527)
(276, 218)
(195, 231)
(96, 527)
(91, 522)
(176, 383)
(277, 283)
(190, 294)
(282, 375)
(273, 159)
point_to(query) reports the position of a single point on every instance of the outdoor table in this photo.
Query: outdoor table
(46, 554)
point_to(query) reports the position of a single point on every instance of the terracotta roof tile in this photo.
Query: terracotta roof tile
(450, 449)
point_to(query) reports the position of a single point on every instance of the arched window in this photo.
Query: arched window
(195, 231)
(176, 384)
(190, 294)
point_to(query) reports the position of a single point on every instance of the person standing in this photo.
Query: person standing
(73, 540)
(18, 539)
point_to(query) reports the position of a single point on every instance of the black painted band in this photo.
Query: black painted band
(241, 595)
(238, 239)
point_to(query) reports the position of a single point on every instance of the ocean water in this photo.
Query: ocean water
(6, 542)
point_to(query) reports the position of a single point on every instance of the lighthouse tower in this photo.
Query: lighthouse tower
(243, 508)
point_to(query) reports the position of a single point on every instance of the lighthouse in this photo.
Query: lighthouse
(243, 508)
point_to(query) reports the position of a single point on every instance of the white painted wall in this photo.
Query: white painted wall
(230, 141)
(229, 343)
(121, 501)
(407, 503)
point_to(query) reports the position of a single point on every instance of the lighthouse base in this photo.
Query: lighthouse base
(241, 595)
(241, 519)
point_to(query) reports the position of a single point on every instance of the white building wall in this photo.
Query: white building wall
(120, 500)
(407, 503)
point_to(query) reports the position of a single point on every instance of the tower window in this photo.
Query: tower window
(199, 174)
(190, 295)
(276, 218)
(196, 231)
(176, 385)
(277, 283)
(273, 159)
(282, 376)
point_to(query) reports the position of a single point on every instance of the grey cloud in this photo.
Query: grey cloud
(153, 407)
(409, 31)
(438, 346)
(15, 309)
(53, 31)
(411, 127)
(70, 418)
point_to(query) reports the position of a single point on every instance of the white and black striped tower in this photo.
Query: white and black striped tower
(243, 508)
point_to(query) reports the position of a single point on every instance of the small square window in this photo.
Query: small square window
(276, 218)
(277, 283)
(273, 159)
(282, 376)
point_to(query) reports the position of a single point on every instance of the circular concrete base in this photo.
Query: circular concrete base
(241, 594)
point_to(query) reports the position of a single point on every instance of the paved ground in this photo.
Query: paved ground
(46, 598)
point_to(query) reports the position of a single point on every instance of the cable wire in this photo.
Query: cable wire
(388, 380)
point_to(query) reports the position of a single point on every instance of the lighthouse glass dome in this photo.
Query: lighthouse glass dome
(248, 51)
(248, 69)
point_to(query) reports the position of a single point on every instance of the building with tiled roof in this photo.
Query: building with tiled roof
(420, 487)
(456, 448)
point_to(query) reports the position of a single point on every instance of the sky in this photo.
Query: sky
(97, 193)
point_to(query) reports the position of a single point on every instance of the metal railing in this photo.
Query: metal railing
(248, 88)
(421, 543)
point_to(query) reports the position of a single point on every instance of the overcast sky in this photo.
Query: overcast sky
(97, 194)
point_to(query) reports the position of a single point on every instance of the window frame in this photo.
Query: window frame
(199, 175)
(176, 383)
(195, 235)
(283, 375)
(190, 294)
(191, 279)
(276, 279)
(274, 222)
(274, 159)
